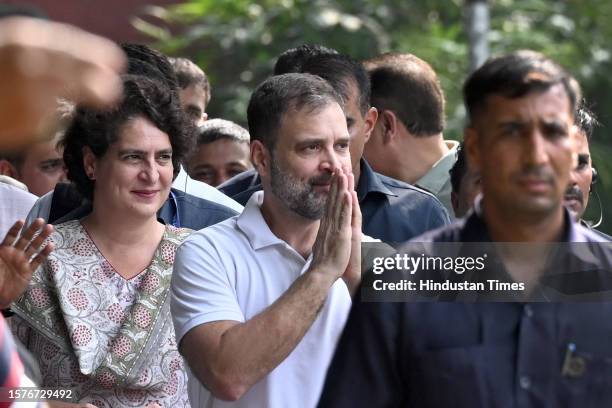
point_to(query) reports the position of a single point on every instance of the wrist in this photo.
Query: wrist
(321, 275)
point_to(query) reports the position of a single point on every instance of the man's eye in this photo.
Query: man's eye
(511, 131)
(205, 177)
(194, 113)
(52, 167)
(312, 148)
(342, 146)
(581, 166)
(131, 157)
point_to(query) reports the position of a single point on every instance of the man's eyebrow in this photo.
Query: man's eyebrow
(52, 161)
(511, 123)
(130, 151)
(583, 157)
(203, 167)
(311, 140)
(343, 139)
(556, 124)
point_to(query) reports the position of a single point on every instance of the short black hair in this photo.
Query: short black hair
(515, 75)
(279, 94)
(457, 172)
(215, 129)
(293, 59)
(586, 120)
(148, 62)
(408, 86)
(189, 74)
(99, 129)
(342, 71)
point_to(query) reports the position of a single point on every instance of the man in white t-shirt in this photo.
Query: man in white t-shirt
(257, 300)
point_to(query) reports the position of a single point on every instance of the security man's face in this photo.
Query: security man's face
(576, 196)
(522, 148)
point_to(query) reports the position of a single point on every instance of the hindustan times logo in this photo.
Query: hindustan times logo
(412, 264)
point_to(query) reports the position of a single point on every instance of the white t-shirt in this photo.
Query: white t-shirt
(15, 204)
(199, 189)
(233, 271)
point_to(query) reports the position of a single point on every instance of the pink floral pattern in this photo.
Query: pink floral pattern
(89, 327)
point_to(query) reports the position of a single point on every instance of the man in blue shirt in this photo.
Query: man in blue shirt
(393, 211)
(521, 114)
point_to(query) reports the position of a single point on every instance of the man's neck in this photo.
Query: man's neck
(504, 227)
(415, 157)
(299, 232)
(357, 172)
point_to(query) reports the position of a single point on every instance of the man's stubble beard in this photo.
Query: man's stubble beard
(298, 196)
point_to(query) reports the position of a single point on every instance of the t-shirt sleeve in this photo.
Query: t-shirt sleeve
(201, 289)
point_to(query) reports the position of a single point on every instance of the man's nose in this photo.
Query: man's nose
(331, 161)
(535, 151)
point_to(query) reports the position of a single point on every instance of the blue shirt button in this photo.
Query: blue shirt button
(525, 382)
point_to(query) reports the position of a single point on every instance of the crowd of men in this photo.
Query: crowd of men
(266, 303)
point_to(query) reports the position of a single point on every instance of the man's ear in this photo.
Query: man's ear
(261, 158)
(390, 126)
(7, 169)
(472, 149)
(454, 201)
(370, 119)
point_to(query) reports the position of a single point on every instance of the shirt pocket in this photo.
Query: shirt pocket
(587, 380)
(473, 376)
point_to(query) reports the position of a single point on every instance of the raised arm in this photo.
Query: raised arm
(216, 351)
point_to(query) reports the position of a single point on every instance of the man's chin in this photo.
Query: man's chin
(574, 207)
(537, 205)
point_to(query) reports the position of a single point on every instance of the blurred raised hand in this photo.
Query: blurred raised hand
(41, 61)
(20, 255)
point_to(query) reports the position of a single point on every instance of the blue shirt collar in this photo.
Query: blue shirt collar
(476, 230)
(370, 182)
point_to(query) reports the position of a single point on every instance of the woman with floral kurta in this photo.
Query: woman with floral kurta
(96, 314)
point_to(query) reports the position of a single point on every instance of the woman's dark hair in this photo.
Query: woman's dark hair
(98, 130)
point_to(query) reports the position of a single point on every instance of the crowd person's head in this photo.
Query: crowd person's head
(194, 89)
(150, 63)
(465, 184)
(407, 94)
(293, 59)
(222, 152)
(125, 158)
(350, 80)
(584, 175)
(40, 165)
(299, 138)
(519, 137)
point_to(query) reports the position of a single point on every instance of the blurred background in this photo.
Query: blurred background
(236, 42)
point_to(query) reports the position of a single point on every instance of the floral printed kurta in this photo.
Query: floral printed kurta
(108, 338)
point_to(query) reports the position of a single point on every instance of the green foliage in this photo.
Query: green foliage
(237, 41)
